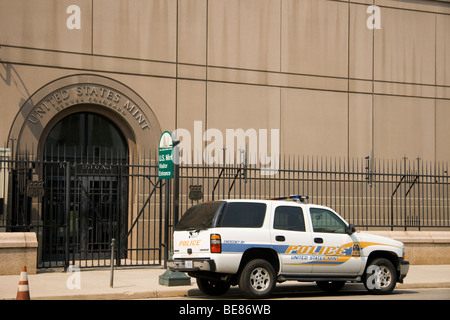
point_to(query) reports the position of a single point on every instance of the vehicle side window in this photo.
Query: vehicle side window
(243, 215)
(326, 221)
(289, 218)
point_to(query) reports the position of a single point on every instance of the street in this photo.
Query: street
(307, 300)
(404, 294)
(349, 292)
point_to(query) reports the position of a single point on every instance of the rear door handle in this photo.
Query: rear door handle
(280, 238)
(318, 240)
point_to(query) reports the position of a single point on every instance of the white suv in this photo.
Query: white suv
(256, 243)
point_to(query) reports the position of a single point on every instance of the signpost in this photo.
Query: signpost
(165, 171)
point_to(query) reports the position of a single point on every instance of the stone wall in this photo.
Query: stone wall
(18, 249)
(422, 247)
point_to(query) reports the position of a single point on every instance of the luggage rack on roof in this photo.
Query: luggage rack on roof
(296, 198)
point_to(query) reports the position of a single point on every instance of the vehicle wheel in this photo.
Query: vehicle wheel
(212, 288)
(380, 276)
(257, 279)
(330, 286)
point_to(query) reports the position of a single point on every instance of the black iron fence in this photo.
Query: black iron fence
(391, 194)
(77, 207)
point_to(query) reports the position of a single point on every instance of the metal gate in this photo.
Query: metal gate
(83, 208)
(77, 209)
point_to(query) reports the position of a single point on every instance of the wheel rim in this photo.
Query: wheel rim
(384, 277)
(260, 279)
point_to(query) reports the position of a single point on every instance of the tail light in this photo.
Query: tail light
(216, 243)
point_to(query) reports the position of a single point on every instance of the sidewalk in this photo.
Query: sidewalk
(143, 282)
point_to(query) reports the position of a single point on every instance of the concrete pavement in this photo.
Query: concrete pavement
(143, 282)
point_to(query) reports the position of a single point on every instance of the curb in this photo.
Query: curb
(120, 296)
(126, 295)
(156, 294)
(423, 285)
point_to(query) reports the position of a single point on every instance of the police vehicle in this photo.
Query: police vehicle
(257, 243)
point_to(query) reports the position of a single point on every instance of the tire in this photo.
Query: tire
(212, 288)
(257, 279)
(330, 286)
(380, 276)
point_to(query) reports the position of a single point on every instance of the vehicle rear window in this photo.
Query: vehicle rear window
(199, 217)
(242, 215)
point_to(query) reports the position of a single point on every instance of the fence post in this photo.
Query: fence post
(111, 276)
(67, 215)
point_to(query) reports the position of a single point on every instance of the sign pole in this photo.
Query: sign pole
(165, 171)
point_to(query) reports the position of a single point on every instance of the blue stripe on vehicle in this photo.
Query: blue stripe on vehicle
(241, 247)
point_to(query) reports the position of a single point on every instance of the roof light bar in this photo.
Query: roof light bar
(293, 197)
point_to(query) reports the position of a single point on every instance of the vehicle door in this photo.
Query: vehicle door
(290, 239)
(336, 252)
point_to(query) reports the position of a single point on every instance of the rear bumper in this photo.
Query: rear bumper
(403, 269)
(191, 265)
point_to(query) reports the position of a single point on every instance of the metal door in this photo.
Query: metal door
(95, 217)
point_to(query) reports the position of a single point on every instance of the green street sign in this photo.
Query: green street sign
(165, 156)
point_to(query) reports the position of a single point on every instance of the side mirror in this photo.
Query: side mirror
(350, 229)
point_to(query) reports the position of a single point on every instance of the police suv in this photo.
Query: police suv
(256, 243)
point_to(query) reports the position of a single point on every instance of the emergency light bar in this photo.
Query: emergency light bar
(294, 197)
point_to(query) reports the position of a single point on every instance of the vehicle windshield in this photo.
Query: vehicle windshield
(199, 217)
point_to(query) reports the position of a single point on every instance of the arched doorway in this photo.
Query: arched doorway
(85, 136)
(96, 152)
